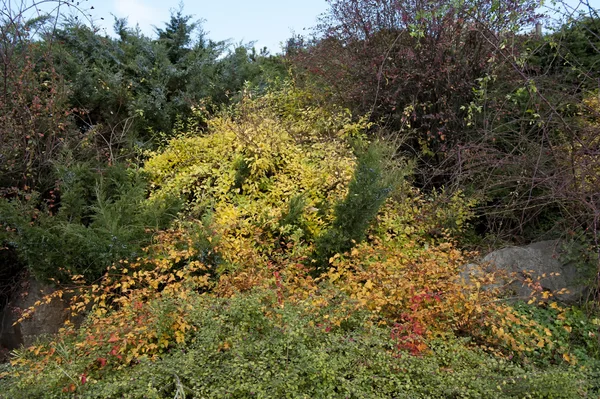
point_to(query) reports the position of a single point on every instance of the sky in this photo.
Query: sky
(268, 22)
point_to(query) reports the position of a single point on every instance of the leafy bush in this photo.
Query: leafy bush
(223, 304)
(411, 65)
(247, 169)
(92, 219)
(275, 206)
(250, 346)
(438, 216)
(35, 119)
(574, 332)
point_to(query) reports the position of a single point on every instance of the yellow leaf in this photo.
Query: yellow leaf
(546, 294)
(179, 337)
(224, 346)
(540, 343)
(570, 358)
(568, 328)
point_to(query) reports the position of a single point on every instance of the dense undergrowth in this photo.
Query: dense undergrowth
(239, 298)
(225, 223)
(250, 346)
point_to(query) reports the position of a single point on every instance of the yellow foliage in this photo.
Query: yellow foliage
(410, 285)
(137, 311)
(250, 164)
(244, 172)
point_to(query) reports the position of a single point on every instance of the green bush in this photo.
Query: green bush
(249, 347)
(367, 192)
(573, 331)
(102, 217)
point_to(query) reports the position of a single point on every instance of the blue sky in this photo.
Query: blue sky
(268, 22)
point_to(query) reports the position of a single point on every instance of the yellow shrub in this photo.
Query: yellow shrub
(249, 165)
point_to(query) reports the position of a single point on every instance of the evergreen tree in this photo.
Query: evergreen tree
(177, 34)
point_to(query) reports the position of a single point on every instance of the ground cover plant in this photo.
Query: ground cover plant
(219, 225)
(236, 284)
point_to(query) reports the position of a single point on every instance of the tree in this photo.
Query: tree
(177, 34)
(411, 64)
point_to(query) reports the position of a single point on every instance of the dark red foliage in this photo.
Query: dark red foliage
(34, 118)
(411, 64)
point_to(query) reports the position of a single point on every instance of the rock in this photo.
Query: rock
(10, 336)
(538, 260)
(47, 319)
(469, 271)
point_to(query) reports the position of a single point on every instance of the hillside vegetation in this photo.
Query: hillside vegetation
(226, 223)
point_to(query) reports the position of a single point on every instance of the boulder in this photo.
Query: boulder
(47, 319)
(542, 263)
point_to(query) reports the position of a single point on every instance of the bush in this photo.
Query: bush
(223, 304)
(35, 119)
(247, 169)
(92, 219)
(367, 192)
(249, 346)
(574, 332)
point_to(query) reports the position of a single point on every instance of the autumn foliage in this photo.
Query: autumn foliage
(284, 245)
(238, 236)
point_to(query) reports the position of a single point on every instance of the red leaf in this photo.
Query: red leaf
(113, 338)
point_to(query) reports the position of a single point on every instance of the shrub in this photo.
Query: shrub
(250, 346)
(35, 119)
(224, 303)
(247, 169)
(367, 191)
(92, 219)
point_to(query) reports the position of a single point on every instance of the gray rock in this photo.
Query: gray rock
(47, 319)
(543, 260)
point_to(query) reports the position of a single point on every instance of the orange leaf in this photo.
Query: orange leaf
(540, 344)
